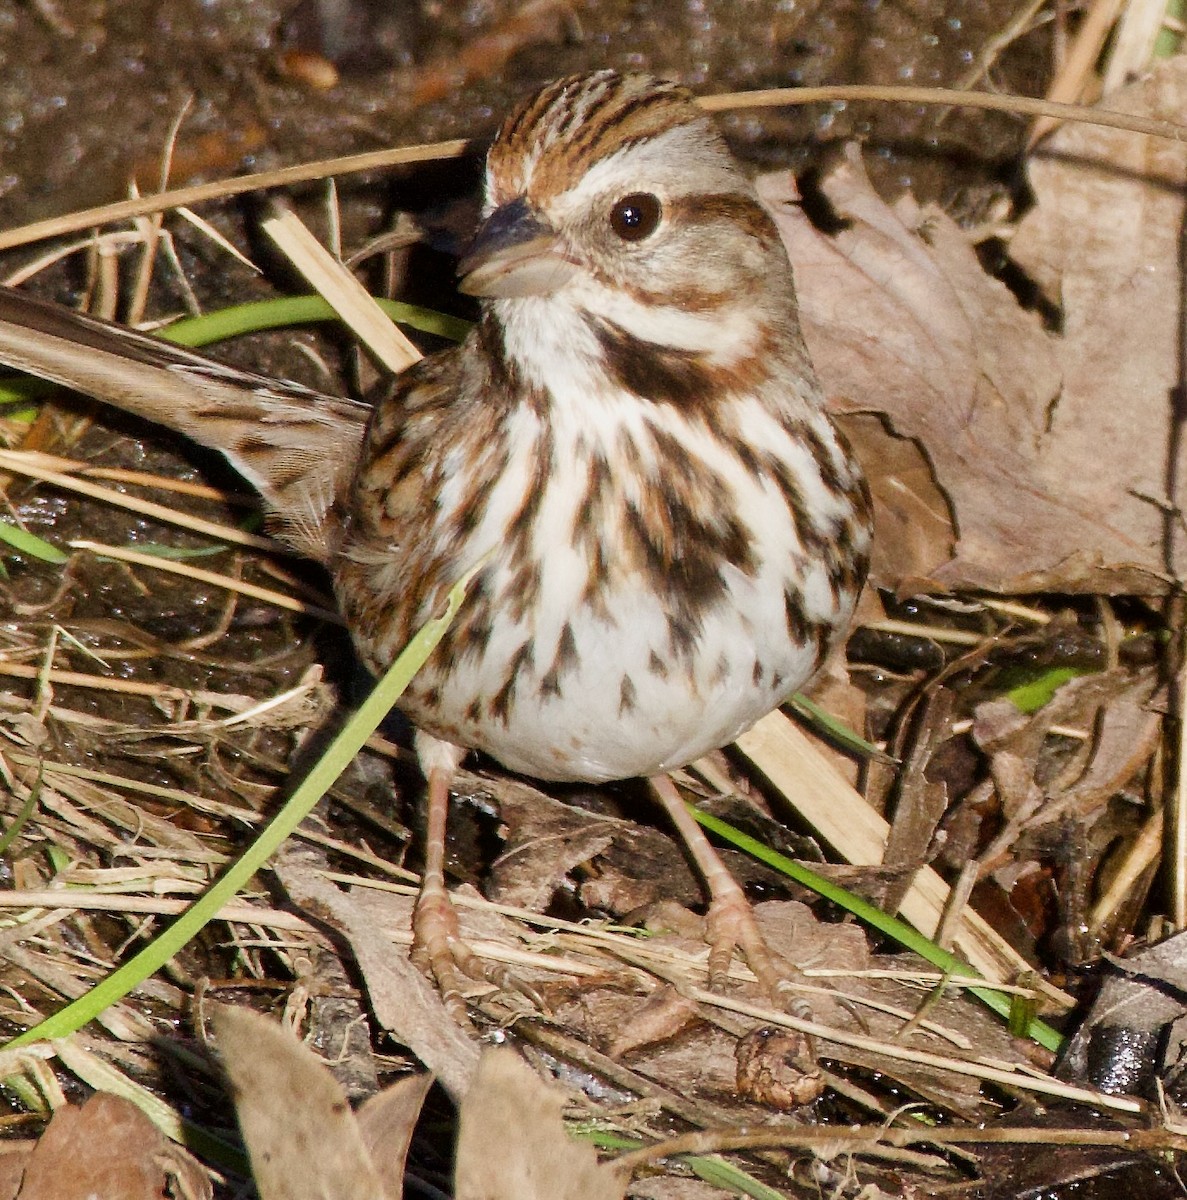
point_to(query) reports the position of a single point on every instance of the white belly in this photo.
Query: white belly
(566, 665)
(625, 705)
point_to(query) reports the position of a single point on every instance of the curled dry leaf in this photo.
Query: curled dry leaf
(778, 1068)
(1048, 452)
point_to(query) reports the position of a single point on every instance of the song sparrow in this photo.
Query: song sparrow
(632, 441)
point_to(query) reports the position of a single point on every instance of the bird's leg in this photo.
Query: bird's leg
(731, 923)
(438, 947)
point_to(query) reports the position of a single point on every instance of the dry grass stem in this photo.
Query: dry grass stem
(857, 1139)
(107, 214)
(29, 464)
(189, 571)
(341, 290)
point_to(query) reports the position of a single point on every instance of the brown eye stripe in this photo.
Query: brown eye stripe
(730, 208)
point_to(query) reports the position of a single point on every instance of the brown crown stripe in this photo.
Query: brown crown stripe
(615, 127)
(624, 110)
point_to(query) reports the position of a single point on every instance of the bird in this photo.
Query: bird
(631, 446)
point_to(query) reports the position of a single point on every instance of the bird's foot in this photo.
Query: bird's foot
(731, 925)
(439, 950)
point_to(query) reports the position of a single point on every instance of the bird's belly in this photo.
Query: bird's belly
(614, 694)
(589, 734)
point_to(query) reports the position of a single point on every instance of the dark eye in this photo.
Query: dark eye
(636, 216)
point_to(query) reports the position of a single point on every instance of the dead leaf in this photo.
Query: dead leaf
(902, 321)
(108, 1147)
(544, 840)
(913, 528)
(1104, 240)
(512, 1143)
(387, 1121)
(402, 1000)
(301, 1135)
(14, 1158)
(305, 1142)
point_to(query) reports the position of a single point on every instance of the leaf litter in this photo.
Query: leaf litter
(1006, 457)
(1048, 451)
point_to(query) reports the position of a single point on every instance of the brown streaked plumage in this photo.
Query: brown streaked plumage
(631, 441)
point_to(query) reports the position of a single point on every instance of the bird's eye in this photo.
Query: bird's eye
(636, 216)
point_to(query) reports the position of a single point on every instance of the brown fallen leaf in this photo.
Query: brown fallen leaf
(107, 1147)
(305, 1142)
(1103, 240)
(14, 1158)
(512, 1143)
(401, 999)
(387, 1121)
(1049, 452)
(301, 1135)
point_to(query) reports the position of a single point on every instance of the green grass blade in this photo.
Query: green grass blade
(323, 773)
(24, 542)
(299, 310)
(892, 927)
(10, 834)
(836, 731)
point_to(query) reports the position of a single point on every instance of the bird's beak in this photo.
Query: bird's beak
(513, 254)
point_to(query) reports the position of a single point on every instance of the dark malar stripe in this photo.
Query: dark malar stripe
(663, 374)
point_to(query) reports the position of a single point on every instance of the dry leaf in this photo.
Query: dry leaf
(1038, 444)
(302, 1137)
(108, 1148)
(387, 1121)
(402, 1000)
(1104, 240)
(512, 1143)
(544, 841)
(913, 528)
(305, 1142)
(675, 1187)
(14, 1158)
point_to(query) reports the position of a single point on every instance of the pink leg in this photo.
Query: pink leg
(437, 944)
(437, 947)
(731, 922)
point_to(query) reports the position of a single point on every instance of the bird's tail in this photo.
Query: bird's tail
(296, 447)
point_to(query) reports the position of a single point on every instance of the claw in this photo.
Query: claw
(731, 924)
